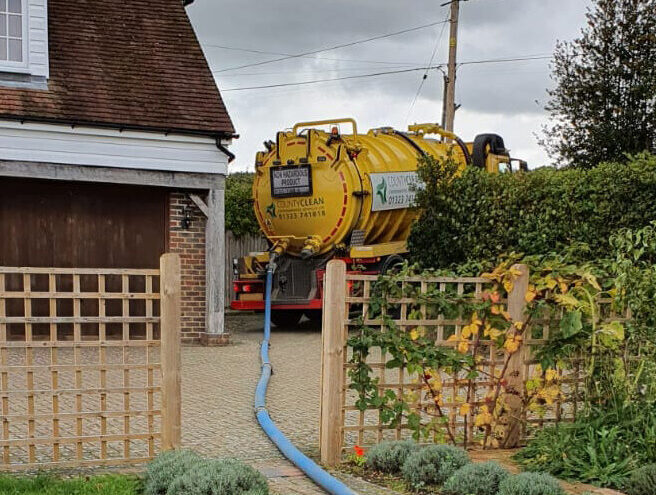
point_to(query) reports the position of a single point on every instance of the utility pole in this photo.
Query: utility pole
(450, 101)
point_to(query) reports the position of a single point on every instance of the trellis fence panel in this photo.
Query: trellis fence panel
(347, 296)
(89, 365)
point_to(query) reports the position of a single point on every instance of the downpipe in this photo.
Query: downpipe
(329, 483)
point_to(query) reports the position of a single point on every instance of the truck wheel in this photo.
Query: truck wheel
(484, 144)
(286, 317)
(390, 264)
(314, 315)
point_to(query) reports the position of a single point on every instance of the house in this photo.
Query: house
(113, 145)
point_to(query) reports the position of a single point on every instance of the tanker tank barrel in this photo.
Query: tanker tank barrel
(320, 190)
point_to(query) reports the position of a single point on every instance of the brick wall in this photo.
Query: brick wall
(190, 245)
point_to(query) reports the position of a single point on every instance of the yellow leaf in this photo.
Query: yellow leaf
(592, 280)
(475, 320)
(567, 300)
(453, 338)
(514, 272)
(512, 344)
(508, 285)
(550, 375)
(414, 334)
(463, 347)
(465, 409)
(530, 294)
(550, 282)
(466, 332)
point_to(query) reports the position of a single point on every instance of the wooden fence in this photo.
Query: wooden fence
(343, 425)
(89, 365)
(236, 247)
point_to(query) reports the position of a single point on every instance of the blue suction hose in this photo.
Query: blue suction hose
(300, 460)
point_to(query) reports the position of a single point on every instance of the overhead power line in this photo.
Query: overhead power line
(343, 45)
(315, 81)
(376, 74)
(332, 59)
(501, 60)
(425, 76)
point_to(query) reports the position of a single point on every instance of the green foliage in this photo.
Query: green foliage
(48, 485)
(604, 102)
(530, 484)
(389, 457)
(642, 481)
(602, 448)
(474, 217)
(220, 477)
(167, 467)
(634, 268)
(476, 479)
(433, 465)
(239, 212)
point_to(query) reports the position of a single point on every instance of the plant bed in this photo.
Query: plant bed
(357, 465)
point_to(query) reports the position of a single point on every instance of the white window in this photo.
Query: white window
(13, 33)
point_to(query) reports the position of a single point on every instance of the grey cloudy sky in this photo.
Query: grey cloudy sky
(505, 98)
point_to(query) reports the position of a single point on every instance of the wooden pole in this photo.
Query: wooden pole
(332, 363)
(215, 265)
(170, 351)
(516, 369)
(451, 76)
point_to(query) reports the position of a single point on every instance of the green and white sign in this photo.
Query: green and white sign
(393, 190)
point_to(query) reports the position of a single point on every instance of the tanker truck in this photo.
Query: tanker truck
(324, 194)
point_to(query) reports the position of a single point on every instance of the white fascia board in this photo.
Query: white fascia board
(101, 147)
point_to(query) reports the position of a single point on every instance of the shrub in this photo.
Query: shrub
(167, 467)
(476, 479)
(433, 465)
(388, 457)
(220, 477)
(530, 484)
(239, 212)
(642, 481)
(477, 216)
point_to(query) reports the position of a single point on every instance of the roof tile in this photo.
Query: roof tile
(135, 64)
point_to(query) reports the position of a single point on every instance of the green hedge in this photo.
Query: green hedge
(239, 212)
(478, 216)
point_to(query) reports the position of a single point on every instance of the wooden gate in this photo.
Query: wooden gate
(89, 365)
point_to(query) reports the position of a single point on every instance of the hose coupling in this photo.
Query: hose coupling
(311, 247)
(280, 246)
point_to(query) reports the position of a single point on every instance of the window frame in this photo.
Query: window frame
(20, 67)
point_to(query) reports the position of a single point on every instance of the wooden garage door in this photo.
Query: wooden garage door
(61, 224)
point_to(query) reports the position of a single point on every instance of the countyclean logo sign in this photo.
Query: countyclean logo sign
(394, 190)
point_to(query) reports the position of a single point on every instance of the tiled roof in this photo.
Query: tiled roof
(133, 63)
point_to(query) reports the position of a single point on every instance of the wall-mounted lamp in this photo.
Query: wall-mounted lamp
(185, 223)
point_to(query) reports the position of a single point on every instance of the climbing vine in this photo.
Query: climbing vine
(559, 296)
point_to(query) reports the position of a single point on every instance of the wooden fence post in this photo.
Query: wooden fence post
(516, 369)
(170, 350)
(332, 363)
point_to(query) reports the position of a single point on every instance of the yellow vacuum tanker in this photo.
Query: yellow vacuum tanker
(322, 194)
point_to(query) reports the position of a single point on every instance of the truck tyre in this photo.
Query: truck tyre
(390, 264)
(480, 148)
(286, 317)
(314, 315)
